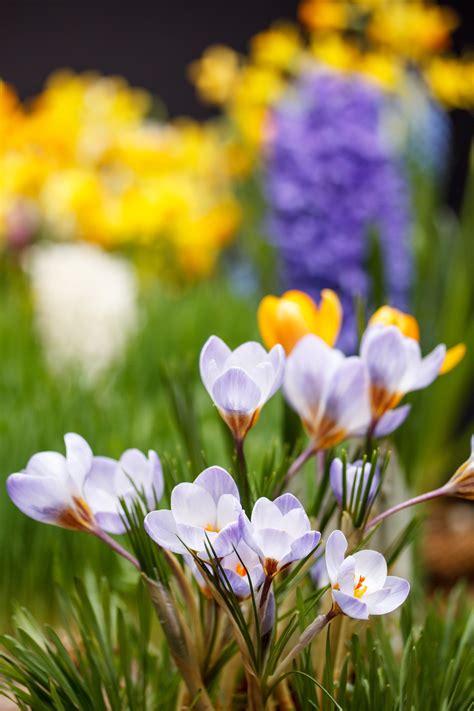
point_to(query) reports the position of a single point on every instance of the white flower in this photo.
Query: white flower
(86, 305)
(360, 584)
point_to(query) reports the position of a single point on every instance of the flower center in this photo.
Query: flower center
(78, 517)
(211, 528)
(360, 589)
(240, 570)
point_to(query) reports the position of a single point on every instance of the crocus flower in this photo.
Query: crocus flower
(408, 325)
(395, 367)
(360, 584)
(279, 532)
(109, 481)
(203, 513)
(354, 473)
(83, 492)
(240, 382)
(287, 319)
(328, 391)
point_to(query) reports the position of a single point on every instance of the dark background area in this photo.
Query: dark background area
(151, 44)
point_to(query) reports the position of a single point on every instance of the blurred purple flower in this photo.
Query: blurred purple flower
(329, 178)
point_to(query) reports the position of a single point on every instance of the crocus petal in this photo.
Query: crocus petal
(79, 457)
(102, 477)
(373, 567)
(195, 537)
(382, 349)
(391, 421)
(228, 510)
(277, 359)
(452, 358)
(275, 544)
(227, 539)
(247, 533)
(351, 606)
(348, 402)
(336, 472)
(42, 498)
(265, 514)
(48, 464)
(296, 523)
(399, 590)
(336, 547)
(161, 527)
(157, 480)
(303, 546)
(287, 502)
(217, 482)
(239, 583)
(372, 600)
(236, 392)
(193, 505)
(269, 615)
(329, 316)
(429, 368)
(110, 522)
(213, 356)
(346, 575)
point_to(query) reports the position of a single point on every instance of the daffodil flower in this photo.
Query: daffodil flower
(203, 514)
(241, 381)
(83, 492)
(360, 584)
(287, 319)
(329, 392)
(279, 532)
(396, 367)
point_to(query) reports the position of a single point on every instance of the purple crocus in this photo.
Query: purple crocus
(328, 391)
(203, 513)
(360, 584)
(80, 491)
(332, 178)
(395, 367)
(241, 381)
(279, 532)
(357, 476)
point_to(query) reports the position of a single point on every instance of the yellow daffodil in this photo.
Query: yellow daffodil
(408, 325)
(287, 319)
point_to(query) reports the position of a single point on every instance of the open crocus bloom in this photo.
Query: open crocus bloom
(132, 476)
(328, 391)
(240, 382)
(287, 319)
(354, 473)
(279, 532)
(202, 513)
(235, 567)
(408, 325)
(395, 367)
(360, 584)
(51, 488)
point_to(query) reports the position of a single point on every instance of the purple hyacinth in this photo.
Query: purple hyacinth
(329, 178)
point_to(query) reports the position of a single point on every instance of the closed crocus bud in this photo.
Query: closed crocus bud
(240, 382)
(408, 325)
(360, 584)
(396, 367)
(462, 482)
(358, 475)
(203, 513)
(279, 532)
(287, 319)
(328, 391)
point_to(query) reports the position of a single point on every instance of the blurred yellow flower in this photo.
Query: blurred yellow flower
(287, 319)
(324, 14)
(216, 74)
(277, 47)
(452, 81)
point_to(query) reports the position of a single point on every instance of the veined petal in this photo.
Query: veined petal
(247, 356)
(302, 546)
(391, 421)
(336, 547)
(373, 567)
(42, 498)
(372, 600)
(239, 583)
(248, 534)
(227, 539)
(157, 480)
(296, 523)
(102, 476)
(429, 368)
(398, 593)
(195, 537)
(228, 510)
(274, 544)
(287, 502)
(192, 505)
(217, 482)
(213, 356)
(384, 351)
(235, 392)
(78, 456)
(48, 464)
(277, 359)
(110, 522)
(161, 527)
(265, 514)
(336, 472)
(351, 606)
(346, 575)
(136, 467)
(348, 402)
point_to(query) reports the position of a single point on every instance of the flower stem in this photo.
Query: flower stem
(299, 462)
(305, 639)
(442, 491)
(242, 474)
(103, 536)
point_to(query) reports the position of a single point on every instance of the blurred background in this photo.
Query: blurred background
(236, 157)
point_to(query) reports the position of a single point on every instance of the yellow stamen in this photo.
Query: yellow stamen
(240, 570)
(360, 589)
(211, 528)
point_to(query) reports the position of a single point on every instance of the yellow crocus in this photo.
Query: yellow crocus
(287, 319)
(408, 325)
